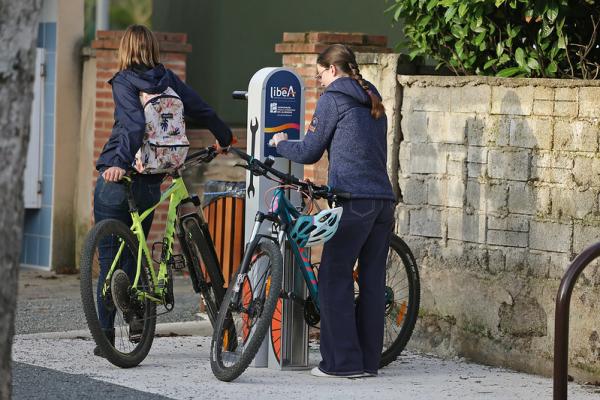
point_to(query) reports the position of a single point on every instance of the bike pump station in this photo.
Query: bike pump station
(276, 104)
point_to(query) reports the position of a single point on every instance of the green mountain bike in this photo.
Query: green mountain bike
(117, 269)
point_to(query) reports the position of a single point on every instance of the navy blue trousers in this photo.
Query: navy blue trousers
(110, 201)
(352, 337)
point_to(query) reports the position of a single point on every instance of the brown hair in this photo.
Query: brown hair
(138, 46)
(343, 58)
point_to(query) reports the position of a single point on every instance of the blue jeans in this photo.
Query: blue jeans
(110, 201)
(352, 337)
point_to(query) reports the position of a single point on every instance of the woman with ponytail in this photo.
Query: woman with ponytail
(350, 123)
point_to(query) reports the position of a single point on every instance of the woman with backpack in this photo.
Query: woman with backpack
(350, 123)
(141, 82)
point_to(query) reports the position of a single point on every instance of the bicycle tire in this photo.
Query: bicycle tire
(89, 264)
(252, 332)
(409, 308)
(212, 290)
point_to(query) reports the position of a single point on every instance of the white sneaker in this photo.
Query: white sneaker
(368, 375)
(318, 373)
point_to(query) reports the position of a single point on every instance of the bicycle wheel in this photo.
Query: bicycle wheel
(206, 269)
(122, 326)
(250, 315)
(402, 293)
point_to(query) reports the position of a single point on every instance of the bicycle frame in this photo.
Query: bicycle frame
(287, 213)
(175, 193)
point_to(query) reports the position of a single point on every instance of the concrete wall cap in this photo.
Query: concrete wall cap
(476, 80)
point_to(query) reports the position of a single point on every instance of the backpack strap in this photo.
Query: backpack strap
(146, 98)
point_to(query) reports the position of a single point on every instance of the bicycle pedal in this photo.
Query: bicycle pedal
(177, 262)
(135, 338)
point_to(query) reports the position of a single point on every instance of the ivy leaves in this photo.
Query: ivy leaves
(528, 38)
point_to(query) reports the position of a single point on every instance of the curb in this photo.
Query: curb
(190, 328)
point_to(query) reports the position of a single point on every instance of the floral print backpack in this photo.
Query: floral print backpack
(165, 144)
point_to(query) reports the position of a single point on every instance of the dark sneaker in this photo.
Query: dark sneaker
(136, 327)
(111, 338)
(98, 352)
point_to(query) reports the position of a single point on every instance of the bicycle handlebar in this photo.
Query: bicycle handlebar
(259, 168)
(206, 154)
(239, 95)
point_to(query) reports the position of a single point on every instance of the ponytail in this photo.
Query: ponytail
(343, 58)
(377, 108)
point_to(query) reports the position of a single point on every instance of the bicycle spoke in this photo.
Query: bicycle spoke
(241, 327)
(401, 292)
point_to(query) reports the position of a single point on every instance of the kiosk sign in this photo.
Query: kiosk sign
(283, 93)
(276, 104)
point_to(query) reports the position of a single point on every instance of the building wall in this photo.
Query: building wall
(500, 188)
(234, 39)
(48, 239)
(67, 123)
(86, 160)
(37, 237)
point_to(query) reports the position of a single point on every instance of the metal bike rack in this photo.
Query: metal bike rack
(561, 319)
(276, 104)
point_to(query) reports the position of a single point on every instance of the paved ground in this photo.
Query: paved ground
(32, 382)
(178, 368)
(58, 364)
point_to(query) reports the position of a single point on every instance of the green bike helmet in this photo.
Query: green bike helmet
(312, 230)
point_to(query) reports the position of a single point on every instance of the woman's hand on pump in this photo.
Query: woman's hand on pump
(113, 174)
(278, 137)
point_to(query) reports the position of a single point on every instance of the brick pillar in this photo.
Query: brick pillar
(173, 54)
(300, 51)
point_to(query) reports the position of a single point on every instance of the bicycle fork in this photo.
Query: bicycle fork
(255, 237)
(245, 262)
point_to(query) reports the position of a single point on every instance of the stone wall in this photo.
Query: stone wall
(500, 185)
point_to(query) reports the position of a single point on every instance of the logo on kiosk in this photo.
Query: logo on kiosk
(283, 92)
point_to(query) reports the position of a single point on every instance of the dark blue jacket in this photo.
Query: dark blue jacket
(355, 141)
(128, 130)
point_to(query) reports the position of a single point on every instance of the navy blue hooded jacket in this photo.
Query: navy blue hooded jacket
(128, 130)
(355, 141)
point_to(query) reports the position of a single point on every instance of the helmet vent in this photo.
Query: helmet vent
(320, 233)
(303, 225)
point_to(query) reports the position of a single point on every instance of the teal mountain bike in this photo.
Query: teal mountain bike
(123, 279)
(252, 302)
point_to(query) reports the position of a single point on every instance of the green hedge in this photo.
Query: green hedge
(527, 38)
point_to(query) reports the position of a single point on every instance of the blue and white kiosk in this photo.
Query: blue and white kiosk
(276, 104)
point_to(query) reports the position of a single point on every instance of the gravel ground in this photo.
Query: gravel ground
(51, 303)
(179, 368)
(60, 364)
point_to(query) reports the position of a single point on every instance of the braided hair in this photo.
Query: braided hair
(344, 59)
